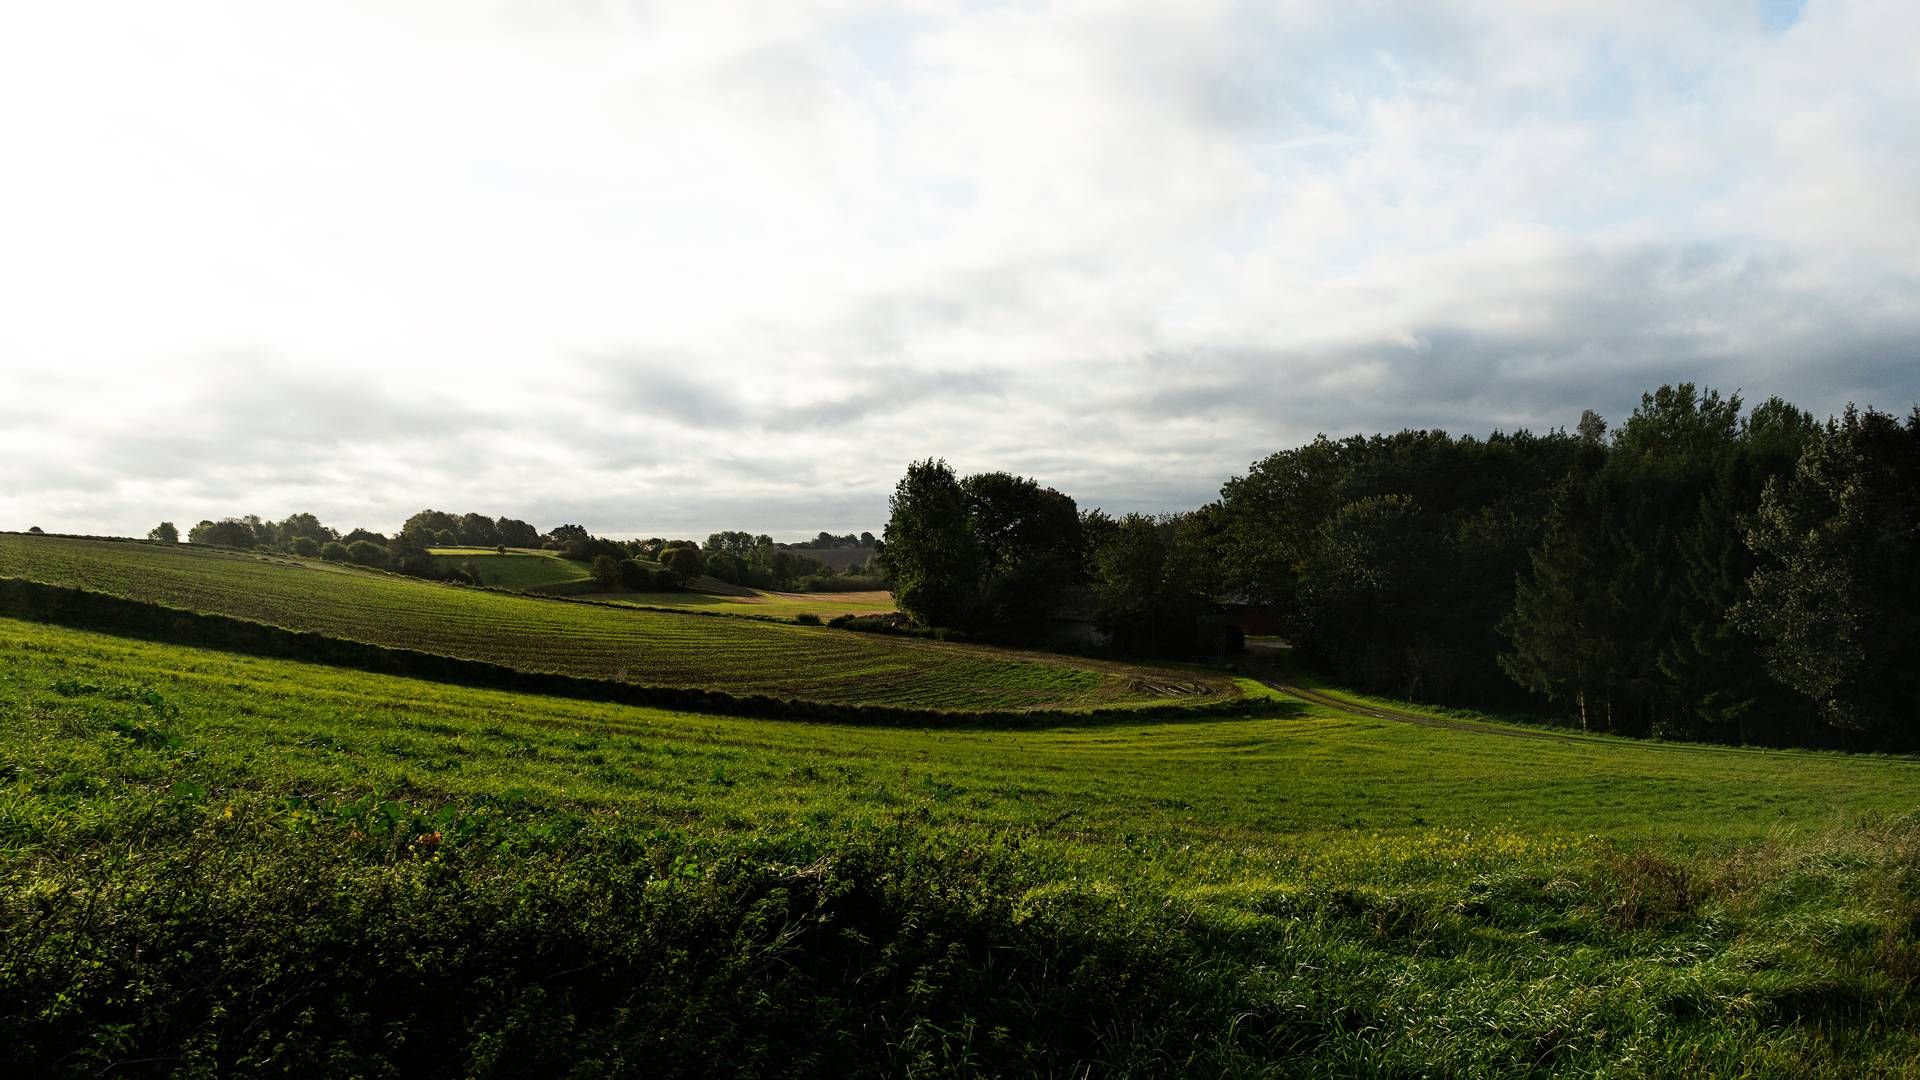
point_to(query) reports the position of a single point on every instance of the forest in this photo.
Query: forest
(1702, 571)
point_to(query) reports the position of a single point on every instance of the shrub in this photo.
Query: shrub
(842, 583)
(335, 551)
(606, 571)
(366, 553)
(305, 546)
(685, 563)
(635, 575)
(807, 618)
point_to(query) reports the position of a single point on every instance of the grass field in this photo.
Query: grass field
(521, 569)
(1315, 894)
(777, 605)
(659, 648)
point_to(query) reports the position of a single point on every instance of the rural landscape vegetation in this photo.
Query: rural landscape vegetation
(1411, 753)
(1072, 539)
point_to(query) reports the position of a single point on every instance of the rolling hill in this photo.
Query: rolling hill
(526, 633)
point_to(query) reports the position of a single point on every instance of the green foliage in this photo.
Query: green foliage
(238, 866)
(164, 533)
(684, 563)
(305, 546)
(1626, 619)
(227, 532)
(929, 550)
(367, 553)
(606, 572)
(335, 551)
(1837, 595)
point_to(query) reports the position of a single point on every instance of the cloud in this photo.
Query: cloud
(670, 268)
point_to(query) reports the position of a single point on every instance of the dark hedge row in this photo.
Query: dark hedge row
(240, 947)
(86, 610)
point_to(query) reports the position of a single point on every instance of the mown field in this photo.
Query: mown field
(219, 864)
(765, 604)
(526, 571)
(741, 656)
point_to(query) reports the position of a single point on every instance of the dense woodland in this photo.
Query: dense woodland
(1703, 571)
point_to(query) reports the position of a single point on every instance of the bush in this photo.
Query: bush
(635, 575)
(807, 618)
(366, 553)
(685, 563)
(335, 551)
(843, 583)
(305, 546)
(606, 571)
(664, 580)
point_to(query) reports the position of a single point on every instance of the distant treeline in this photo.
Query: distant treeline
(654, 564)
(1703, 572)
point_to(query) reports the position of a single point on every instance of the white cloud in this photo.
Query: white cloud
(671, 267)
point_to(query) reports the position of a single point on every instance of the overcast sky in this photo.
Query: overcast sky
(663, 268)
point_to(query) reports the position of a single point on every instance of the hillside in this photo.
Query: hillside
(524, 570)
(269, 865)
(739, 656)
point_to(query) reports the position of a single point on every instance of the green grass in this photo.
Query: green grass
(1312, 894)
(519, 569)
(764, 604)
(658, 648)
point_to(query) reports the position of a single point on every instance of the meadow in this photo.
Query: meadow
(760, 603)
(244, 865)
(660, 648)
(520, 569)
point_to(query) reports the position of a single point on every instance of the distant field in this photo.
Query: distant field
(741, 656)
(774, 604)
(522, 569)
(194, 842)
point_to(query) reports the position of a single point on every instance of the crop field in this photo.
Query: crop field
(520, 569)
(657, 648)
(778, 605)
(256, 864)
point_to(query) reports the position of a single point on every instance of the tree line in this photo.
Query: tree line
(1703, 571)
(654, 564)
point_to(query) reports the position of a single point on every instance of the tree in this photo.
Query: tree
(431, 523)
(478, 530)
(367, 553)
(1836, 596)
(304, 524)
(335, 551)
(227, 532)
(1030, 549)
(305, 546)
(1592, 428)
(513, 533)
(684, 563)
(368, 535)
(930, 549)
(164, 533)
(35, 530)
(606, 572)
(635, 574)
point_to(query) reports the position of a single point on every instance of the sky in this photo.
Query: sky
(668, 268)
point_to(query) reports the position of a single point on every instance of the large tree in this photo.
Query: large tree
(930, 548)
(1836, 598)
(1029, 545)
